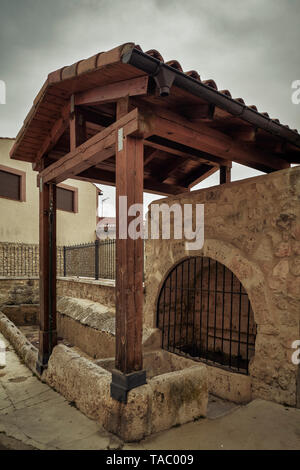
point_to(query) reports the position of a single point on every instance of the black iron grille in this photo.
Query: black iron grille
(204, 312)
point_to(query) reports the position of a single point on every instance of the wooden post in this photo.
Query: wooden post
(47, 333)
(225, 174)
(77, 127)
(129, 272)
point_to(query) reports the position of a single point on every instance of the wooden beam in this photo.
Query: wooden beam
(129, 259)
(96, 117)
(150, 154)
(77, 129)
(94, 150)
(193, 175)
(53, 136)
(97, 175)
(198, 112)
(153, 186)
(123, 107)
(201, 137)
(162, 144)
(225, 174)
(178, 148)
(204, 175)
(113, 91)
(47, 228)
(292, 154)
(166, 168)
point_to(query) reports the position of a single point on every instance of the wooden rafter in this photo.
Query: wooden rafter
(54, 135)
(97, 148)
(101, 176)
(201, 137)
(205, 175)
(77, 129)
(225, 174)
(113, 92)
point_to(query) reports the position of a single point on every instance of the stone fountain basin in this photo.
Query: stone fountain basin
(176, 392)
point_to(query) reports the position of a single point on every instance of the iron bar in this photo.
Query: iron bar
(228, 341)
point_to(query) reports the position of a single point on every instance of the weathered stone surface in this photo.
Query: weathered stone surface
(18, 291)
(252, 227)
(166, 400)
(228, 385)
(91, 327)
(24, 314)
(178, 397)
(22, 346)
(88, 313)
(102, 291)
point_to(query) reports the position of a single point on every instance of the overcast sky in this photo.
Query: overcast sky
(251, 47)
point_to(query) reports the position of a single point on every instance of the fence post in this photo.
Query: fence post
(97, 259)
(65, 262)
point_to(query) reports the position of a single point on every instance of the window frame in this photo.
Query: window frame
(75, 197)
(22, 175)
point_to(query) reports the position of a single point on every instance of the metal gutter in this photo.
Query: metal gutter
(154, 67)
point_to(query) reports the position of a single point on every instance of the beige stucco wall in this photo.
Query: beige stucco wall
(253, 228)
(19, 220)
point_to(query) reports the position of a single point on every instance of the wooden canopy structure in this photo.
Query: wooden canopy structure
(126, 118)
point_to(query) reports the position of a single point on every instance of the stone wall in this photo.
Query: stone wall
(253, 228)
(18, 291)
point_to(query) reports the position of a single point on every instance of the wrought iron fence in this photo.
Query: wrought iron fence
(93, 260)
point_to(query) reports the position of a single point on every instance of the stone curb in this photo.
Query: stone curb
(23, 347)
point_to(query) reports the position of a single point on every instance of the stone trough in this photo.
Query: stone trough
(176, 391)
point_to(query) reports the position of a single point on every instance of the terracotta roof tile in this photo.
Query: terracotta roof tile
(175, 65)
(194, 74)
(210, 83)
(78, 70)
(154, 53)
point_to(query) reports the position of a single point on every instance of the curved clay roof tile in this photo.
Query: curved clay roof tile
(210, 83)
(252, 106)
(240, 100)
(226, 92)
(154, 53)
(70, 71)
(194, 74)
(174, 64)
(265, 114)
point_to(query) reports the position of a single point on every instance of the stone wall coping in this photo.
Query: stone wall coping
(84, 280)
(17, 278)
(100, 282)
(222, 187)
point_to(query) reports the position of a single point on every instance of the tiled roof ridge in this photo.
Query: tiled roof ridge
(209, 82)
(97, 60)
(114, 55)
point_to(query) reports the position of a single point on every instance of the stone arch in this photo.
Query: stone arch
(248, 273)
(204, 311)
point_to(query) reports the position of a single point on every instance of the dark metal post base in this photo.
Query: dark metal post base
(121, 383)
(42, 364)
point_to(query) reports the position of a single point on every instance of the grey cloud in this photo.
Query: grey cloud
(250, 47)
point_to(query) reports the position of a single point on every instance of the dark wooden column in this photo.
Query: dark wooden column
(77, 127)
(47, 334)
(129, 272)
(225, 174)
